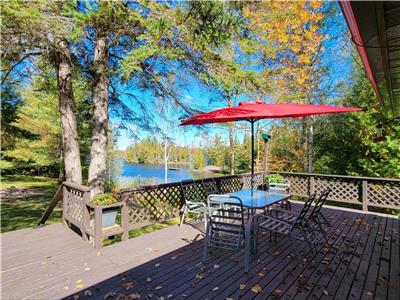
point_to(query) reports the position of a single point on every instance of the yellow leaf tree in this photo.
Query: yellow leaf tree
(290, 42)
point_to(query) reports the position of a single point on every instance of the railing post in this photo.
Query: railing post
(98, 230)
(312, 185)
(124, 218)
(364, 193)
(86, 215)
(65, 195)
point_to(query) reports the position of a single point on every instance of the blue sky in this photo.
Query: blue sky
(336, 57)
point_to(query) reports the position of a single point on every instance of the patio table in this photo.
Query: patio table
(257, 199)
(253, 200)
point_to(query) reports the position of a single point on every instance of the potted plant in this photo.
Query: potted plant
(109, 214)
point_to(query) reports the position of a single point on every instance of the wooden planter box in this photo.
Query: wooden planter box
(98, 228)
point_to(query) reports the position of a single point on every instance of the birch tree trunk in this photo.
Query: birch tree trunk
(98, 151)
(71, 154)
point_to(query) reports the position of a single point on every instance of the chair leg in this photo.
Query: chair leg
(205, 246)
(205, 222)
(325, 220)
(310, 244)
(183, 212)
(322, 231)
(247, 252)
(288, 205)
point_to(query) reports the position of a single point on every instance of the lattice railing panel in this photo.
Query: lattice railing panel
(73, 205)
(299, 186)
(342, 190)
(153, 204)
(384, 194)
(258, 180)
(229, 184)
(369, 191)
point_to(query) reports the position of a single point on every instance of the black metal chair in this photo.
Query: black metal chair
(316, 217)
(295, 226)
(225, 226)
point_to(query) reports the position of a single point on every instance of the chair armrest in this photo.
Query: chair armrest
(196, 203)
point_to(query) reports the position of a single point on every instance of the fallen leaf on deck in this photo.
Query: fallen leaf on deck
(79, 284)
(326, 292)
(128, 285)
(148, 279)
(134, 296)
(157, 265)
(216, 266)
(369, 293)
(261, 274)
(160, 298)
(242, 286)
(277, 291)
(275, 253)
(170, 295)
(215, 289)
(87, 293)
(256, 289)
(109, 295)
(228, 298)
(200, 276)
(158, 287)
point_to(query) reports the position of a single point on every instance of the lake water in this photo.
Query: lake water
(152, 174)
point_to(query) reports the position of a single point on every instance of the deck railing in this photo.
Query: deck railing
(365, 191)
(156, 203)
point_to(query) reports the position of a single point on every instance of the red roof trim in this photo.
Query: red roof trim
(353, 26)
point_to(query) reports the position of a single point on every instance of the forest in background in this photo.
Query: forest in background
(69, 66)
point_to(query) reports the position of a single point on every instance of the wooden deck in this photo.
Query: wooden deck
(52, 263)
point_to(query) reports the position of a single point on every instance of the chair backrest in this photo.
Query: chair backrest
(302, 216)
(279, 185)
(191, 191)
(226, 221)
(319, 203)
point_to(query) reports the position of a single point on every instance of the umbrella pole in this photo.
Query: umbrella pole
(252, 154)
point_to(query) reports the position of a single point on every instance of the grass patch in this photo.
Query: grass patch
(142, 230)
(26, 210)
(26, 181)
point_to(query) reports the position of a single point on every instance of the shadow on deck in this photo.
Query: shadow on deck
(361, 262)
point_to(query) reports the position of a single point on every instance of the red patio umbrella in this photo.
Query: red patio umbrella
(254, 111)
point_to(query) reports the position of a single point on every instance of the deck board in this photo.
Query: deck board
(323, 264)
(328, 286)
(54, 263)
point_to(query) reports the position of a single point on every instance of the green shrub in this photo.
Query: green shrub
(105, 199)
(277, 177)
